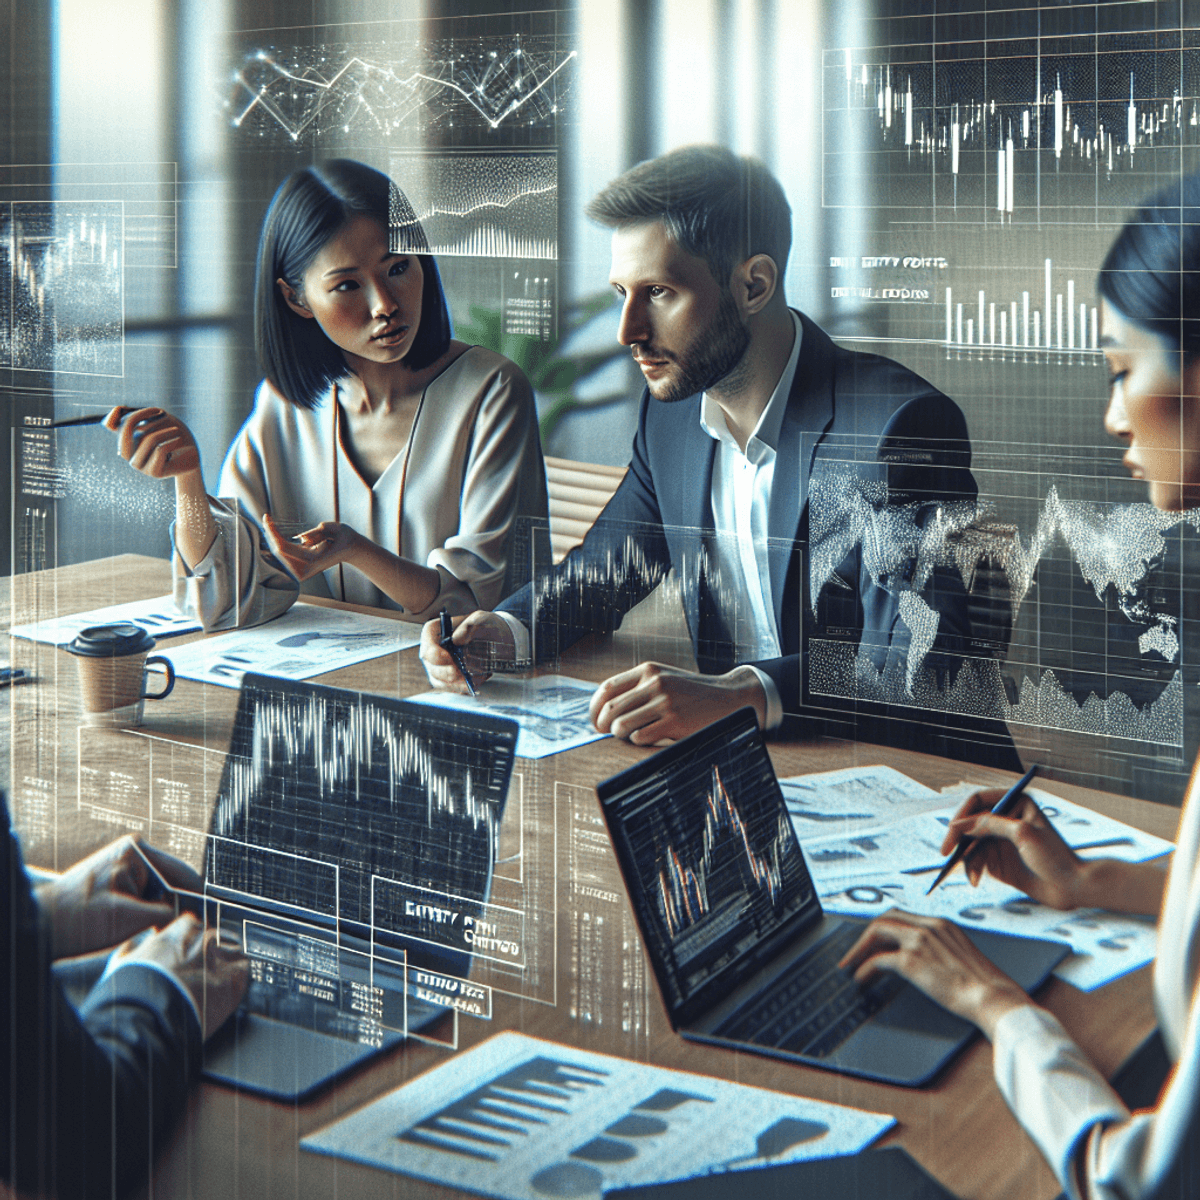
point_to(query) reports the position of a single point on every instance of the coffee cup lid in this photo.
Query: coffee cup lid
(111, 641)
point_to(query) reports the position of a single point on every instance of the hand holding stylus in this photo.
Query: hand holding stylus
(965, 844)
(154, 442)
(1019, 847)
(483, 640)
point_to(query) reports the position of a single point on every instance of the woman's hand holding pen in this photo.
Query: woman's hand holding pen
(1024, 850)
(314, 550)
(1021, 849)
(154, 442)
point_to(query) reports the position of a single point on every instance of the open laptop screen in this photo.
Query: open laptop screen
(359, 812)
(710, 859)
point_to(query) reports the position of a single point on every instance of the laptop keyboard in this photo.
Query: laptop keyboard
(813, 1006)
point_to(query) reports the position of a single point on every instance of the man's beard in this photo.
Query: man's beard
(712, 355)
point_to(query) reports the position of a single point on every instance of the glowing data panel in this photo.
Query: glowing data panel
(479, 84)
(481, 205)
(326, 793)
(1058, 610)
(997, 151)
(63, 299)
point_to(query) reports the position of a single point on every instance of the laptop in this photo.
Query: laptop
(351, 848)
(742, 951)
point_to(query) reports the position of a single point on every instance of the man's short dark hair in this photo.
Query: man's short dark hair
(309, 207)
(716, 205)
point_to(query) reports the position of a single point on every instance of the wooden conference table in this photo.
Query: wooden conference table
(586, 982)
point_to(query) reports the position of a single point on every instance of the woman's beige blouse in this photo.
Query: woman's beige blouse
(474, 471)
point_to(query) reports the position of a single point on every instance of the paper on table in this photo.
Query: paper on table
(863, 875)
(522, 1119)
(852, 798)
(159, 617)
(552, 710)
(307, 640)
(1106, 945)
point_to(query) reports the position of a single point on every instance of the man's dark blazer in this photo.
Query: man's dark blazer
(847, 414)
(89, 1093)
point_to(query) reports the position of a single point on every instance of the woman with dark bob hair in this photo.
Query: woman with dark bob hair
(1150, 301)
(383, 462)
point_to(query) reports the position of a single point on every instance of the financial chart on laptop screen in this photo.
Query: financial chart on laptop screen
(360, 816)
(710, 856)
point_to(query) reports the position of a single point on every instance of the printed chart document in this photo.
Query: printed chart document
(869, 868)
(158, 617)
(552, 710)
(307, 640)
(852, 798)
(522, 1119)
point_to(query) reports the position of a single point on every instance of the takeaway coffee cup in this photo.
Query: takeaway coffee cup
(112, 663)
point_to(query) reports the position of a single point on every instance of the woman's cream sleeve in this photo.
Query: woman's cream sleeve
(238, 582)
(1072, 1114)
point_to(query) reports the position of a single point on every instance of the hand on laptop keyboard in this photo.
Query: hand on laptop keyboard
(936, 956)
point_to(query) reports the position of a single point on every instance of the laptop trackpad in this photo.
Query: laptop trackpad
(280, 1061)
(907, 1042)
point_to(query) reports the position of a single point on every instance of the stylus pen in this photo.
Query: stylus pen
(94, 419)
(1100, 845)
(447, 643)
(964, 847)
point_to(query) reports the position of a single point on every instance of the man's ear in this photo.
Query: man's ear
(293, 299)
(755, 283)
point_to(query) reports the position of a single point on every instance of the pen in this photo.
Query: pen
(1112, 841)
(447, 643)
(94, 419)
(966, 845)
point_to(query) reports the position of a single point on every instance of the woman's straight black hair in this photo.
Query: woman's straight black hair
(309, 207)
(1151, 274)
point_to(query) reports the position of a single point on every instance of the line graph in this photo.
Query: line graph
(298, 92)
(316, 776)
(683, 886)
(482, 205)
(1115, 671)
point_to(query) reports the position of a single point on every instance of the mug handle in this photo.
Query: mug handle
(166, 662)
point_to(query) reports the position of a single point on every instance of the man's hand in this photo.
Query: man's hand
(936, 956)
(100, 900)
(314, 550)
(215, 974)
(485, 639)
(654, 701)
(154, 442)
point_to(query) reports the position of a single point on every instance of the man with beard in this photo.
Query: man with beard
(749, 411)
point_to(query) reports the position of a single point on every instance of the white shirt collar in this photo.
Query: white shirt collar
(766, 433)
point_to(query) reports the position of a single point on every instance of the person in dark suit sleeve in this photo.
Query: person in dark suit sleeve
(91, 1092)
(751, 419)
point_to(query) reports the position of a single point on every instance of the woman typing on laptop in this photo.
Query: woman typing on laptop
(1150, 305)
